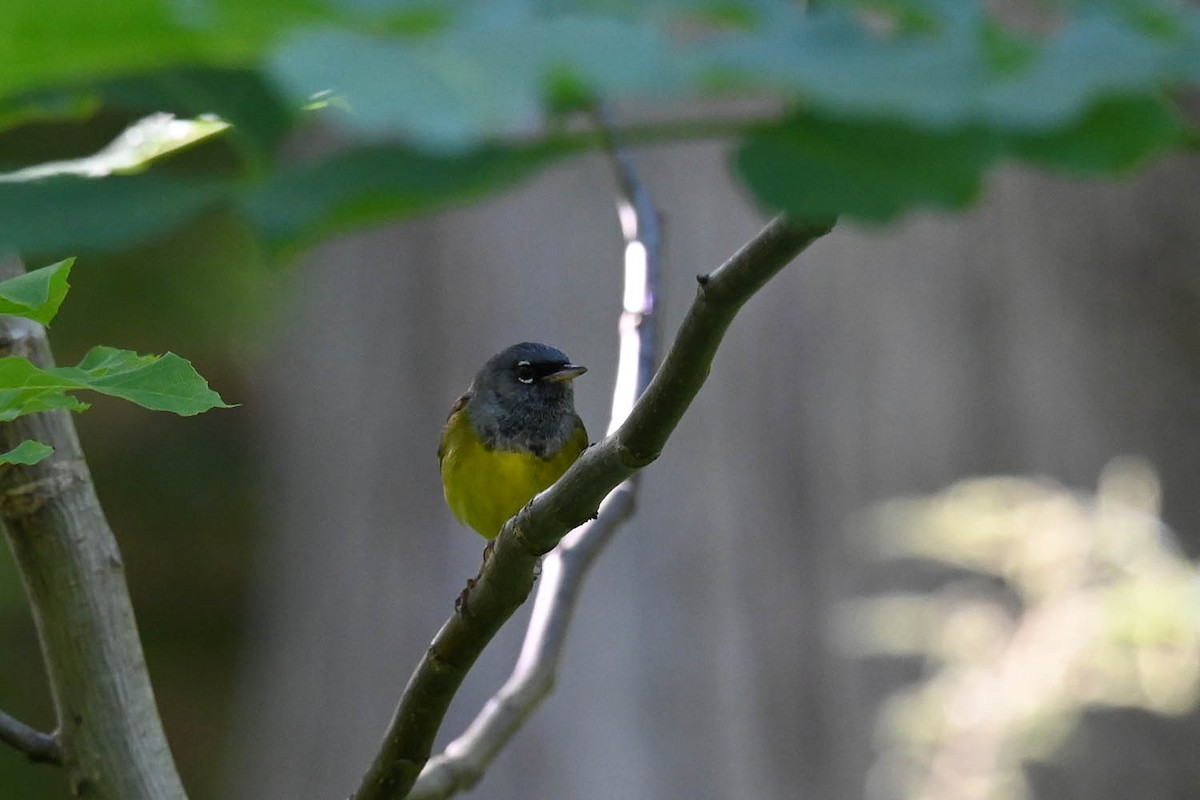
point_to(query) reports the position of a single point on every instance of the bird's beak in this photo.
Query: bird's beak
(569, 372)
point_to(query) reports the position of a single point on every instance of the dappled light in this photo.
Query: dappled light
(1061, 601)
(132, 151)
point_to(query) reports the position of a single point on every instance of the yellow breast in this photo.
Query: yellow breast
(485, 487)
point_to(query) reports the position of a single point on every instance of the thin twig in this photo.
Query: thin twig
(464, 760)
(38, 747)
(507, 577)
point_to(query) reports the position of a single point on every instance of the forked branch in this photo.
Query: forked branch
(38, 747)
(507, 578)
(464, 760)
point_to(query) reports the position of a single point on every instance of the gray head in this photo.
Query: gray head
(522, 399)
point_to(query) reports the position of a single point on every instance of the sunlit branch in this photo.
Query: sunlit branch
(464, 760)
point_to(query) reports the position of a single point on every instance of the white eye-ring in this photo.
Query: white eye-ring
(524, 372)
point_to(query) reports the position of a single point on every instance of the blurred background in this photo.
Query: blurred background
(774, 622)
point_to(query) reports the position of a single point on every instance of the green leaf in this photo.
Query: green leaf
(1115, 136)
(454, 78)
(25, 389)
(69, 214)
(485, 78)
(816, 167)
(27, 452)
(371, 182)
(49, 42)
(36, 295)
(132, 151)
(839, 67)
(257, 112)
(964, 70)
(18, 402)
(294, 205)
(46, 106)
(443, 97)
(159, 383)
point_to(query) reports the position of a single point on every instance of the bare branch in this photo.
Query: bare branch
(38, 747)
(463, 762)
(507, 577)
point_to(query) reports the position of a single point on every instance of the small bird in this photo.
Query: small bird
(511, 435)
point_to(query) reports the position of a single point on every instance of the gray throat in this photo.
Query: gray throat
(535, 425)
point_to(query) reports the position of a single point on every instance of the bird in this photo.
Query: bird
(513, 433)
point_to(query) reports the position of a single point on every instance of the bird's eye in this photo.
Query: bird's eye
(524, 372)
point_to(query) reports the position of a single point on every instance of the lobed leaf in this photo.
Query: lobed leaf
(37, 294)
(484, 78)
(69, 213)
(159, 383)
(25, 389)
(30, 400)
(814, 167)
(368, 182)
(905, 106)
(1114, 136)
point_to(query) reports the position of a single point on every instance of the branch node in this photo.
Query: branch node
(519, 535)
(702, 280)
(460, 603)
(438, 661)
(38, 747)
(17, 334)
(27, 499)
(635, 460)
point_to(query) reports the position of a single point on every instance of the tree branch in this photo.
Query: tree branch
(464, 760)
(507, 577)
(38, 747)
(113, 745)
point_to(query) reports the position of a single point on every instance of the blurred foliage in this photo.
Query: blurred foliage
(147, 139)
(1080, 602)
(881, 105)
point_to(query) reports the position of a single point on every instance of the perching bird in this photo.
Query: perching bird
(511, 435)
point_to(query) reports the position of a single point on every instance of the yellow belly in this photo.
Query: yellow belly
(485, 487)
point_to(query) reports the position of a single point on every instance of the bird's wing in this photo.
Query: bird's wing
(458, 406)
(579, 437)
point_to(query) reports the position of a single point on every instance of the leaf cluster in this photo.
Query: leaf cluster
(867, 108)
(158, 382)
